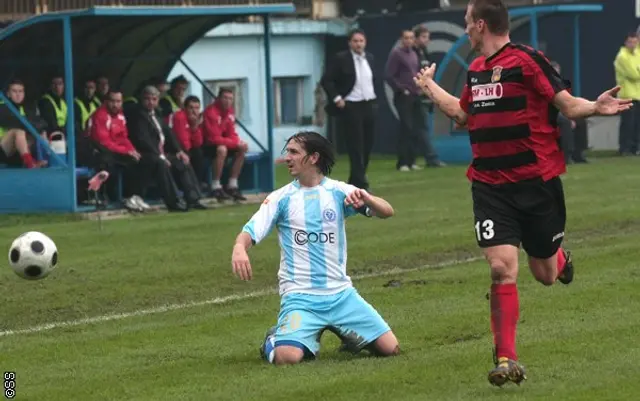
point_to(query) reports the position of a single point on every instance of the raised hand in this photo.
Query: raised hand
(608, 104)
(357, 198)
(424, 75)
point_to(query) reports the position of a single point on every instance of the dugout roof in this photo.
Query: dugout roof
(127, 44)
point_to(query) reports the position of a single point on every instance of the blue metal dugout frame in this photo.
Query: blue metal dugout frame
(456, 148)
(55, 188)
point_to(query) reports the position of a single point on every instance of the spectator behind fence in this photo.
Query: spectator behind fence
(52, 106)
(402, 66)
(15, 142)
(162, 155)
(107, 130)
(627, 67)
(422, 38)
(221, 141)
(349, 82)
(187, 125)
(172, 101)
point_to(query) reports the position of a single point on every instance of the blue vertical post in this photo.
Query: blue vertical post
(533, 25)
(575, 87)
(68, 83)
(269, 93)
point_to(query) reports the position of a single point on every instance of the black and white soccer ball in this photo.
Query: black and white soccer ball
(33, 255)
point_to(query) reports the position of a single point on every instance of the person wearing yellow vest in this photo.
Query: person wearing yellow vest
(172, 101)
(52, 106)
(86, 104)
(627, 68)
(14, 140)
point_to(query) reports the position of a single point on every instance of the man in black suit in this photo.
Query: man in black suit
(349, 82)
(161, 155)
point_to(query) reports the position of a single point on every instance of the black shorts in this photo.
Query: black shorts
(531, 213)
(210, 151)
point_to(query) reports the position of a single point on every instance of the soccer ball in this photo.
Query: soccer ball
(33, 255)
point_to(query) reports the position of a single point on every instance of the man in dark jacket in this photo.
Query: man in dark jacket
(402, 66)
(161, 155)
(349, 82)
(422, 37)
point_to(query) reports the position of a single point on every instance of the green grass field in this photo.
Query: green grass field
(578, 342)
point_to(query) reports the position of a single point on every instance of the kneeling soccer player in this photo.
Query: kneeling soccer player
(317, 294)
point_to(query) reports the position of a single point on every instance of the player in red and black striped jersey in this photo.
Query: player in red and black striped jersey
(510, 104)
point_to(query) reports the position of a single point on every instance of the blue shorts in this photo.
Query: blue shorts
(304, 317)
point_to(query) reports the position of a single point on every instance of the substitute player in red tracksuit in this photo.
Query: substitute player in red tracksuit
(509, 104)
(107, 129)
(221, 141)
(187, 125)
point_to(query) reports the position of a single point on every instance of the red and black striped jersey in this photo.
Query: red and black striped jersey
(508, 98)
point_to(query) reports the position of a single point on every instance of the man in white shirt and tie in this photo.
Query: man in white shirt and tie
(349, 82)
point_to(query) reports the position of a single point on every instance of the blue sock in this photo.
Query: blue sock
(270, 348)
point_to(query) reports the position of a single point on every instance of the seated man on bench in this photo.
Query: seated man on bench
(162, 157)
(15, 142)
(221, 141)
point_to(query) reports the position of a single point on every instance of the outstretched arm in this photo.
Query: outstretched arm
(548, 83)
(378, 207)
(450, 105)
(576, 107)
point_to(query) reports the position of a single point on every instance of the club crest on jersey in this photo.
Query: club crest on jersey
(496, 74)
(329, 215)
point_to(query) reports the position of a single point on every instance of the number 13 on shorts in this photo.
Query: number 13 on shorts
(484, 230)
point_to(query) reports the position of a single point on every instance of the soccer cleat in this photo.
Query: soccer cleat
(220, 195)
(236, 194)
(268, 345)
(507, 370)
(567, 274)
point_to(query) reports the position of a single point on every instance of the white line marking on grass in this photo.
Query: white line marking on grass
(213, 301)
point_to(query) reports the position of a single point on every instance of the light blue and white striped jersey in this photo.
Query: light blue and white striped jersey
(311, 231)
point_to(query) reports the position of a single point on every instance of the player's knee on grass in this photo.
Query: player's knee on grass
(287, 355)
(387, 345)
(503, 261)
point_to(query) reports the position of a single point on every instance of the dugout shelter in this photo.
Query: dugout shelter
(133, 44)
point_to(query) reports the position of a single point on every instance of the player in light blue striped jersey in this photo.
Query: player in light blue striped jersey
(316, 292)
